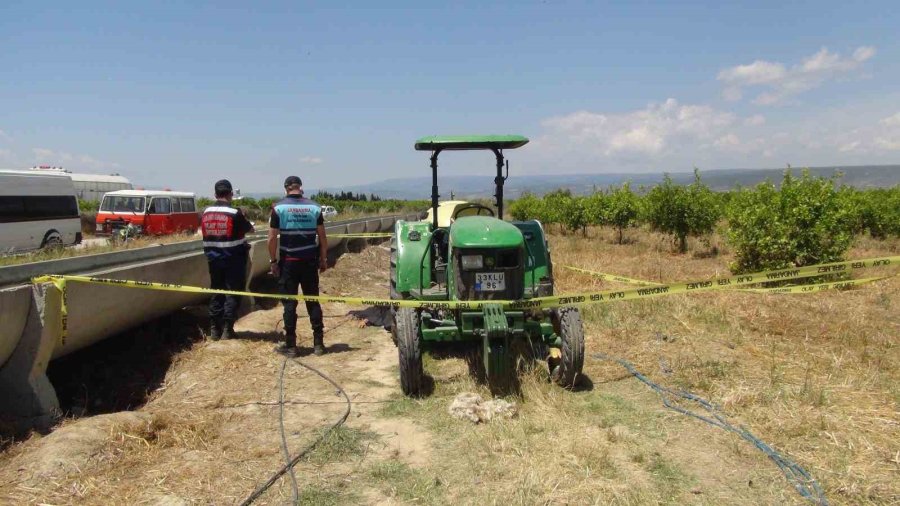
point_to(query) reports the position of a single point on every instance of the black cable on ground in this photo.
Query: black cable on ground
(290, 462)
(806, 485)
(295, 489)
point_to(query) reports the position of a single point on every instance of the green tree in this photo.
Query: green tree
(805, 222)
(876, 211)
(526, 207)
(554, 208)
(595, 208)
(88, 206)
(575, 215)
(682, 211)
(621, 210)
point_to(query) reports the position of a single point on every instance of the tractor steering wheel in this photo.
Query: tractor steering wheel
(479, 211)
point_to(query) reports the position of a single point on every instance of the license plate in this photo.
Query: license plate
(490, 282)
(99, 227)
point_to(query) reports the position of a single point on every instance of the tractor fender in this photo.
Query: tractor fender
(412, 238)
(539, 264)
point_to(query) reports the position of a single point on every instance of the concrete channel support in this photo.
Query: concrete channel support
(27, 398)
(30, 327)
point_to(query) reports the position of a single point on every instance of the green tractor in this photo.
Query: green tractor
(477, 256)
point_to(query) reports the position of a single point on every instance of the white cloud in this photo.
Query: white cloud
(727, 141)
(863, 53)
(891, 121)
(888, 143)
(43, 154)
(850, 146)
(650, 130)
(4, 136)
(69, 160)
(732, 93)
(311, 160)
(781, 82)
(758, 72)
(755, 120)
(671, 135)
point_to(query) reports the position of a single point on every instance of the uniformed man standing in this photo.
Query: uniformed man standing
(224, 229)
(297, 258)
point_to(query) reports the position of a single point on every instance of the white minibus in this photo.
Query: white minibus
(37, 210)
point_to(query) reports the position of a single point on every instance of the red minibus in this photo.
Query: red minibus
(152, 212)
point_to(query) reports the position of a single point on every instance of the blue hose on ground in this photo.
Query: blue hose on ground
(806, 485)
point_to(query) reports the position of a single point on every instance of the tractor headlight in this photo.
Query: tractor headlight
(472, 262)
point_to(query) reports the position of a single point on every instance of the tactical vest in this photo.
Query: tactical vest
(222, 238)
(297, 222)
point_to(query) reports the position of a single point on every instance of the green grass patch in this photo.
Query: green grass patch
(400, 406)
(397, 480)
(316, 496)
(609, 410)
(341, 444)
(669, 478)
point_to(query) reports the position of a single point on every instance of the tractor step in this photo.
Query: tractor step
(495, 324)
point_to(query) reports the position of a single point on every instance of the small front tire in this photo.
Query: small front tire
(568, 326)
(410, 351)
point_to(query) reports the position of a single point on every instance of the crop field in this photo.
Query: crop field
(814, 376)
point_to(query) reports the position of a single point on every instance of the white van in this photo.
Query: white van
(37, 210)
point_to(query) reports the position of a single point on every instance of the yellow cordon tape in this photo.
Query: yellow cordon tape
(786, 289)
(535, 303)
(611, 277)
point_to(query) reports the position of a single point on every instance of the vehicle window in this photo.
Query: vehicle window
(473, 211)
(122, 204)
(47, 207)
(176, 205)
(12, 209)
(160, 205)
(187, 205)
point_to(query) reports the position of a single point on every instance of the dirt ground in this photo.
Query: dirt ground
(207, 431)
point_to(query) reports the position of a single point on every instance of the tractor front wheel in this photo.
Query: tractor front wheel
(410, 351)
(568, 326)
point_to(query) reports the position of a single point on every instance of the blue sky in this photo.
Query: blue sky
(176, 95)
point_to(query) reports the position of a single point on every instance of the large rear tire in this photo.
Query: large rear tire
(394, 294)
(52, 241)
(410, 351)
(568, 326)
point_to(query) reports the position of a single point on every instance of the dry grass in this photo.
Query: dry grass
(814, 375)
(92, 249)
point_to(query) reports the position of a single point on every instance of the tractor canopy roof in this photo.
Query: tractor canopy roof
(462, 142)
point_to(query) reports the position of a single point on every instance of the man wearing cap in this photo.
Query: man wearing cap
(298, 251)
(224, 229)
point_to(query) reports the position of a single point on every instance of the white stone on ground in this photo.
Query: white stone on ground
(470, 406)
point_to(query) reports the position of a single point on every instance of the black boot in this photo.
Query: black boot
(318, 345)
(228, 333)
(215, 329)
(289, 348)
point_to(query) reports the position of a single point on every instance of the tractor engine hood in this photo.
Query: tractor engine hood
(484, 231)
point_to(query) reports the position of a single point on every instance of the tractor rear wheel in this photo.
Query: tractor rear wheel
(568, 326)
(410, 351)
(395, 295)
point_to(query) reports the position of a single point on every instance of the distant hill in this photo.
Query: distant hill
(863, 176)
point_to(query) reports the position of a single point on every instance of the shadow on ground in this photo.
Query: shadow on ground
(118, 373)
